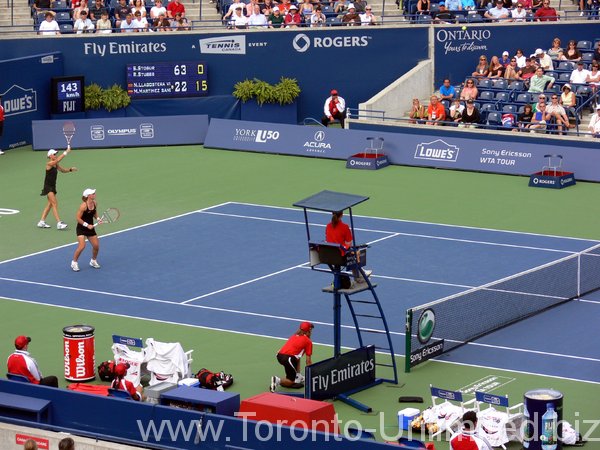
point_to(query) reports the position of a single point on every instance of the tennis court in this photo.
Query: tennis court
(210, 253)
(252, 277)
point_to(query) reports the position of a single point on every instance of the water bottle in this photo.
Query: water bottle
(549, 428)
(527, 425)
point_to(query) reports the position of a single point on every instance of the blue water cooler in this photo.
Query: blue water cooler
(542, 425)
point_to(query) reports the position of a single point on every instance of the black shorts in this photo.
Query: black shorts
(290, 363)
(47, 189)
(82, 231)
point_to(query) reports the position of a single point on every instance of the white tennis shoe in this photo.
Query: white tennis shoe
(61, 225)
(274, 383)
(74, 266)
(94, 264)
(42, 224)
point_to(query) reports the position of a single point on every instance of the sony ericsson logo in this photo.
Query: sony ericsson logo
(18, 100)
(302, 42)
(437, 150)
(230, 45)
(318, 144)
(426, 326)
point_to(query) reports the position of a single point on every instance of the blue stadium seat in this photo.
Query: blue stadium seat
(503, 97)
(474, 18)
(63, 17)
(510, 108)
(334, 21)
(66, 28)
(328, 11)
(566, 65)
(564, 77)
(500, 83)
(494, 119)
(584, 90)
(521, 109)
(550, 73)
(516, 85)
(486, 95)
(487, 107)
(424, 18)
(587, 56)
(484, 83)
(17, 377)
(524, 97)
(584, 45)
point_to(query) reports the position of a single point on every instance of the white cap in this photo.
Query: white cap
(89, 192)
(293, 7)
(52, 152)
(598, 106)
(351, 5)
(504, 53)
(539, 51)
(276, 8)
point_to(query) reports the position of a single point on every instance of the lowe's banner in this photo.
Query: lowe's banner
(334, 376)
(502, 152)
(122, 132)
(25, 92)
(339, 57)
(457, 48)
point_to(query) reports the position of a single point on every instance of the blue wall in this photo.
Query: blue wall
(356, 61)
(457, 51)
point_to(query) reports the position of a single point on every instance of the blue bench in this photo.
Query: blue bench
(23, 406)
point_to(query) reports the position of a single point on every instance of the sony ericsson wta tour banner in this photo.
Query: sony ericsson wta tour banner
(122, 132)
(444, 147)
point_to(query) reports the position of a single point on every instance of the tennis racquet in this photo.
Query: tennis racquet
(69, 131)
(109, 216)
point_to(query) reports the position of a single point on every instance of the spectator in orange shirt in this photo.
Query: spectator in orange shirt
(435, 112)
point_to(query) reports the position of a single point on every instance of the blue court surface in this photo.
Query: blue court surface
(243, 268)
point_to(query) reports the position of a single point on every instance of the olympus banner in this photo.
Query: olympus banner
(450, 148)
(334, 376)
(122, 132)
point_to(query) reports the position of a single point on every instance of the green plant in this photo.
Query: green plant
(284, 92)
(93, 96)
(115, 97)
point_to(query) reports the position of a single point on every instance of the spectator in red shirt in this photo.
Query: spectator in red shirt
(120, 383)
(546, 13)
(175, 7)
(290, 355)
(293, 18)
(21, 363)
(436, 112)
(468, 438)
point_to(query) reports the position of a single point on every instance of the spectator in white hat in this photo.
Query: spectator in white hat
(86, 215)
(351, 17)
(49, 189)
(544, 60)
(293, 18)
(276, 19)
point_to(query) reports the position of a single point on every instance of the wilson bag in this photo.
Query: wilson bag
(216, 381)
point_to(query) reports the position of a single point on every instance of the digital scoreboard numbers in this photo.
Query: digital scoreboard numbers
(67, 95)
(167, 80)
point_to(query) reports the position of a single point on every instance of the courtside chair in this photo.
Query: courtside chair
(17, 377)
(494, 409)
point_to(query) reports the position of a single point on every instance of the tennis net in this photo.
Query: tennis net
(439, 326)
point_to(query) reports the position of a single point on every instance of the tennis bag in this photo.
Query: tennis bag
(106, 370)
(216, 381)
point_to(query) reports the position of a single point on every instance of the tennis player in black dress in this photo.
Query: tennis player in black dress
(49, 190)
(86, 214)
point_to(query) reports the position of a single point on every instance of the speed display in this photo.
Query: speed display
(167, 79)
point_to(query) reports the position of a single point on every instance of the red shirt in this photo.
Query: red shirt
(440, 111)
(340, 234)
(297, 345)
(175, 8)
(20, 363)
(1, 112)
(293, 18)
(546, 14)
(128, 386)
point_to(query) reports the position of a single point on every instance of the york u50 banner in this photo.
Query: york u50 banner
(122, 132)
(443, 147)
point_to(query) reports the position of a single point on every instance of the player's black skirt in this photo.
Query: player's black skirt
(83, 231)
(47, 189)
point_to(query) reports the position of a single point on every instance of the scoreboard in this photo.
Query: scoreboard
(167, 79)
(67, 95)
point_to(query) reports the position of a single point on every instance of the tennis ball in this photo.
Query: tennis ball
(464, 27)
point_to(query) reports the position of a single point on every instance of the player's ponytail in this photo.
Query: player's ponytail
(336, 217)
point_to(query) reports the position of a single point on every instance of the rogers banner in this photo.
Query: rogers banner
(443, 147)
(122, 132)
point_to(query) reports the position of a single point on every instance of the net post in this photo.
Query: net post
(579, 275)
(407, 340)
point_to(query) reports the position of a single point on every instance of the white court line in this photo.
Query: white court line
(162, 321)
(588, 301)
(117, 232)
(243, 283)
(466, 227)
(424, 236)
